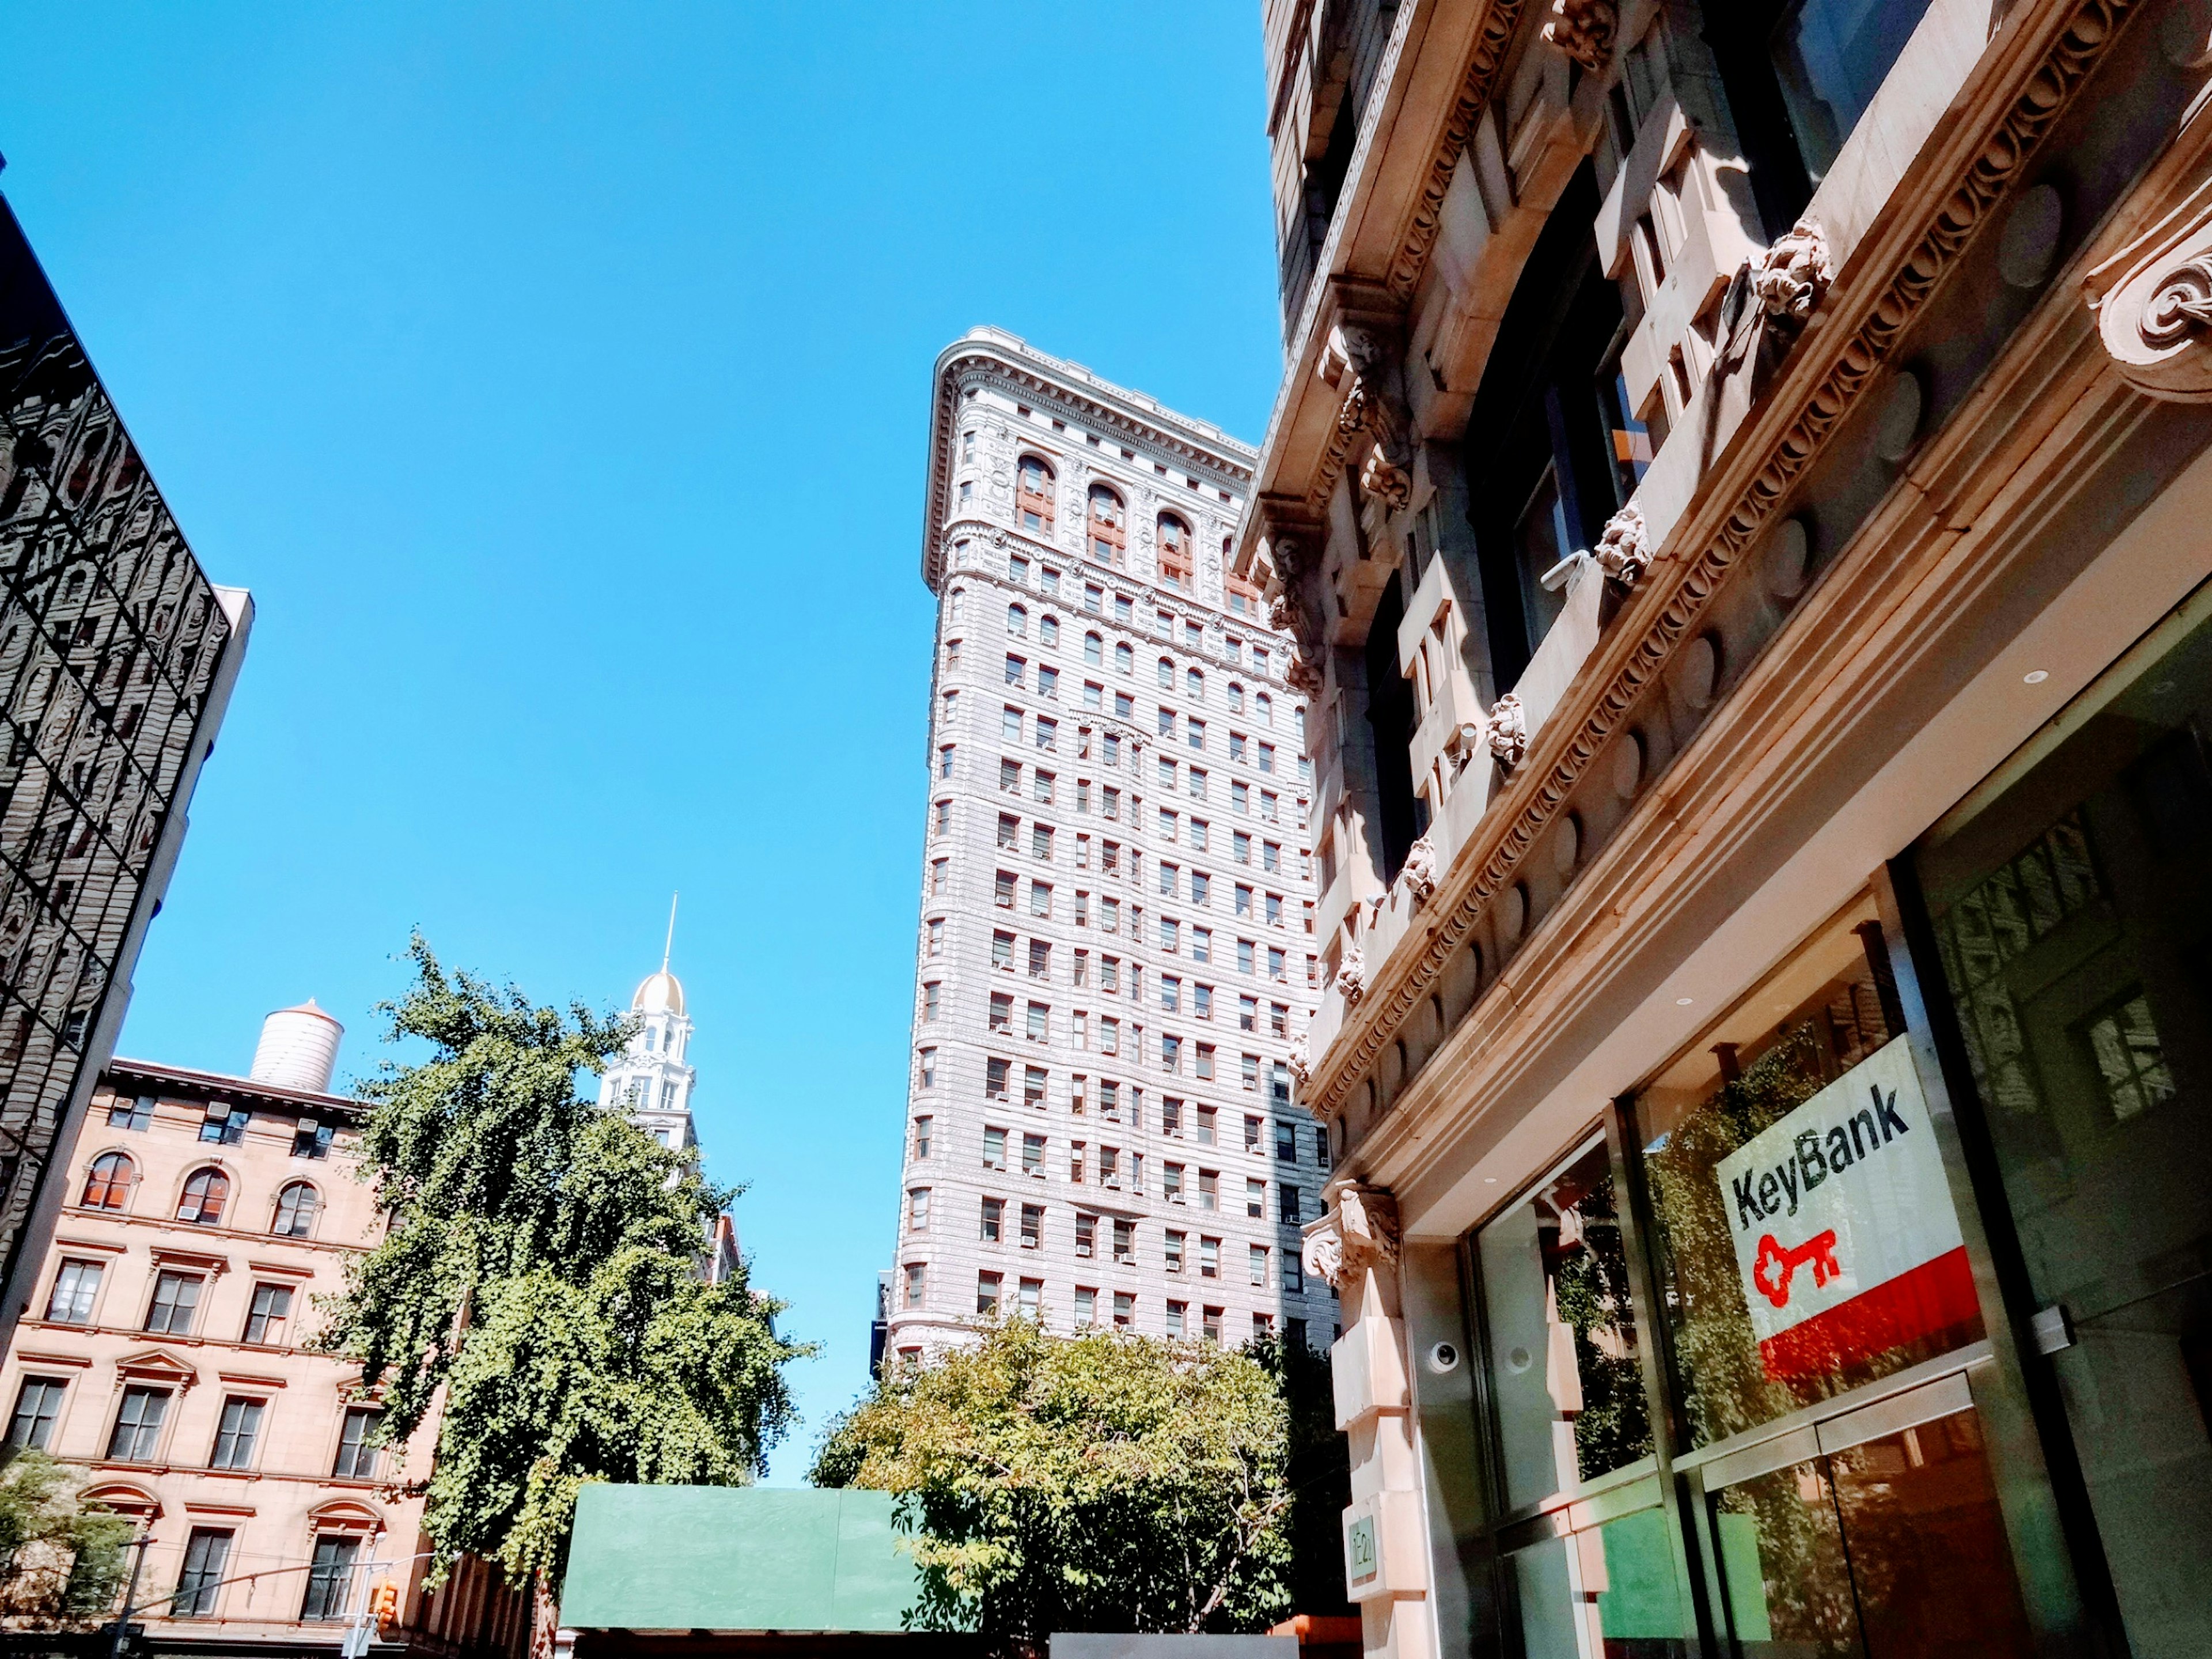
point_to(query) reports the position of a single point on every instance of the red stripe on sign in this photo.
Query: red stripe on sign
(1933, 1297)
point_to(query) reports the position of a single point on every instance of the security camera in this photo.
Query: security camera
(1444, 1357)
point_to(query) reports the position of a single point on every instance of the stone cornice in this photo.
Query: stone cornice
(1099, 402)
(2020, 89)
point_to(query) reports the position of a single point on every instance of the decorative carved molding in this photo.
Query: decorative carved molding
(1419, 875)
(2054, 53)
(1301, 1062)
(1621, 552)
(1360, 1232)
(1583, 30)
(1374, 405)
(2153, 297)
(1351, 980)
(1509, 731)
(1790, 277)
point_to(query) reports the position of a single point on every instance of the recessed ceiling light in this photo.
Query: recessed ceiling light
(1684, 1002)
(2036, 676)
(1490, 1181)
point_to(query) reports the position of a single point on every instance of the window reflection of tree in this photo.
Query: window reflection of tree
(1587, 1267)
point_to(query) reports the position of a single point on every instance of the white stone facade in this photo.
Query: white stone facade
(1114, 962)
(650, 1080)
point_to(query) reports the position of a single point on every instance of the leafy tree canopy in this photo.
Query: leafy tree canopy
(61, 1559)
(540, 1265)
(1101, 1482)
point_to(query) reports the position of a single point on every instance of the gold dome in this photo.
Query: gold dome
(660, 994)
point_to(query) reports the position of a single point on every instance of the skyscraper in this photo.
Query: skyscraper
(1115, 956)
(117, 658)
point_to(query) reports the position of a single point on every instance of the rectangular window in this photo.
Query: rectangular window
(1209, 1258)
(1287, 1142)
(1033, 1083)
(1259, 1264)
(1290, 1209)
(76, 1288)
(917, 1210)
(1205, 1070)
(1253, 1126)
(1247, 1072)
(1125, 1241)
(1016, 667)
(330, 1578)
(270, 1311)
(138, 1434)
(1201, 945)
(1031, 1302)
(1125, 1310)
(994, 1218)
(224, 1126)
(1198, 783)
(1002, 951)
(1176, 1310)
(1294, 1279)
(1256, 1197)
(176, 1304)
(1086, 1307)
(986, 1293)
(917, 1275)
(38, 1405)
(1209, 1189)
(1033, 1155)
(1206, 1121)
(1032, 1226)
(1039, 1017)
(1202, 1001)
(134, 1113)
(1210, 1326)
(1010, 777)
(1040, 789)
(1171, 1182)
(237, 1433)
(923, 1127)
(994, 1149)
(206, 1552)
(994, 1079)
(1040, 898)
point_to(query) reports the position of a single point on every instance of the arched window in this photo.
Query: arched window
(1018, 620)
(1263, 708)
(1236, 698)
(1048, 631)
(297, 1207)
(1194, 685)
(1299, 719)
(1108, 536)
(958, 594)
(1125, 660)
(206, 1191)
(1167, 674)
(1092, 647)
(1033, 494)
(107, 1184)
(1174, 542)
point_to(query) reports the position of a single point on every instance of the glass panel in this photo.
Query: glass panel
(2072, 913)
(1606, 1592)
(1540, 540)
(1808, 1238)
(1867, 1552)
(1568, 1387)
(1831, 56)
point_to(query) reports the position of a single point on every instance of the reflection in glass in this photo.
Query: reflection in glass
(1565, 1378)
(1827, 1012)
(2072, 913)
(1868, 1551)
(1608, 1592)
(1831, 56)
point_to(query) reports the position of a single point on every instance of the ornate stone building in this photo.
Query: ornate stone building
(1114, 962)
(1739, 490)
(116, 660)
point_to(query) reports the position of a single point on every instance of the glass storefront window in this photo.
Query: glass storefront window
(1606, 1592)
(2070, 900)
(1892, 1547)
(1807, 1242)
(1565, 1375)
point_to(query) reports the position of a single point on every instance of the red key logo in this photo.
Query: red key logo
(1774, 1266)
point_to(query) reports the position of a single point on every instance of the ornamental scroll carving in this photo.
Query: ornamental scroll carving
(1583, 30)
(1374, 405)
(1790, 277)
(1360, 1233)
(2154, 304)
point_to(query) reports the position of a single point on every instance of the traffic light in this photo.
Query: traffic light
(384, 1605)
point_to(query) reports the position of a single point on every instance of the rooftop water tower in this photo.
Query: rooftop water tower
(299, 1048)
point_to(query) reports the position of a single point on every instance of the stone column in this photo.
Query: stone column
(1355, 1247)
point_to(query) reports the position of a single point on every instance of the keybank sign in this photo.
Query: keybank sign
(1845, 1238)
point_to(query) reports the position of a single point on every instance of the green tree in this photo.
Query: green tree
(540, 1266)
(1318, 1467)
(1104, 1482)
(61, 1559)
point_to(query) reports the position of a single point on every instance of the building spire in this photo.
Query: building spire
(668, 948)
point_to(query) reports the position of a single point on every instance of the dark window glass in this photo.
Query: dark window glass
(272, 1306)
(329, 1578)
(236, 1434)
(296, 1208)
(138, 1433)
(225, 1130)
(1829, 57)
(357, 1451)
(136, 1114)
(37, 1405)
(206, 1191)
(205, 1554)
(2071, 916)
(175, 1305)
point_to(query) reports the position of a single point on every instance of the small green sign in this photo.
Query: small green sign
(1363, 1547)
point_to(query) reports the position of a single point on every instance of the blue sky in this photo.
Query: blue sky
(557, 378)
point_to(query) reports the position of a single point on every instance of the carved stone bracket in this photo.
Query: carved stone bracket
(1360, 1232)
(2153, 297)
(1419, 874)
(1621, 551)
(1373, 405)
(1301, 1062)
(1790, 277)
(1583, 30)
(1509, 731)
(1351, 972)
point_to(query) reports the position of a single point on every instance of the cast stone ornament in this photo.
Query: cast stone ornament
(1351, 974)
(1373, 406)
(1509, 731)
(1359, 1233)
(1622, 552)
(1790, 277)
(2153, 301)
(1301, 1063)
(1583, 30)
(1419, 871)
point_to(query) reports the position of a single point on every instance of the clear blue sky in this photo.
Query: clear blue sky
(557, 378)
